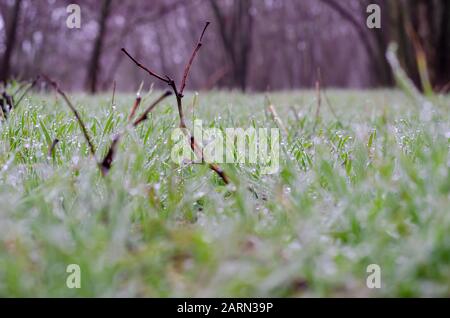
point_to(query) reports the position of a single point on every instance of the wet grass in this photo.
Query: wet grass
(367, 184)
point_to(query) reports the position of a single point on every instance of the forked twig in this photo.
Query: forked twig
(26, 91)
(189, 64)
(106, 163)
(144, 68)
(150, 108)
(179, 96)
(74, 111)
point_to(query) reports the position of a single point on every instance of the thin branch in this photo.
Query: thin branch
(340, 8)
(136, 104)
(179, 96)
(144, 68)
(219, 172)
(150, 108)
(106, 163)
(51, 148)
(74, 111)
(26, 91)
(189, 64)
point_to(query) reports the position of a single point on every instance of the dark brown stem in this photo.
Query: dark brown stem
(51, 148)
(217, 169)
(136, 104)
(179, 96)
(26, 91)
(74, 111)
(150, 108)
(106, 164)
(189, 64)
(144, 68)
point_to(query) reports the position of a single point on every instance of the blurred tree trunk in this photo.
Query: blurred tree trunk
(11, 38)
(381, 39)
(413, 24)
(94, 67)
(428, 24)
(374, 41)
(236, 29)
(444, 45)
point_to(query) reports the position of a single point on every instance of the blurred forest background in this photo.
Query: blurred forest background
(253, 45)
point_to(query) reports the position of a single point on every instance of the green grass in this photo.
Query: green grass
(369, 185)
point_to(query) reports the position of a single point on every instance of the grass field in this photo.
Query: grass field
(366, 183)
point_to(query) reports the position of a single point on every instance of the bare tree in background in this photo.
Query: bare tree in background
(236, 28)
(418, 26)
(94, 67)
(254, 45)
(11, 39)
(374, 41)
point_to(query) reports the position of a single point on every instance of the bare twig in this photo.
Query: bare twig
(217, 169)
(179, 96)
(150, 108)
(136, 104)
(189, 64)
(144, 68)
(106, 163)
(51, 148)
(74, 111)
(21, 86)
(26, 91)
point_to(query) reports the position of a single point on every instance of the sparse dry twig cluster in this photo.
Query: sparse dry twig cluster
(196, 148)
(105, 164)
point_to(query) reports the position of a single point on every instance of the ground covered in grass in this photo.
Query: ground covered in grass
(367, 181)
